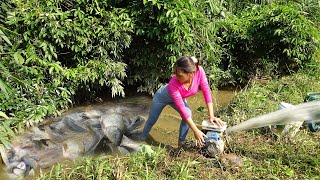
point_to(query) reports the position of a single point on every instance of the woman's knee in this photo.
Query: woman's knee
(151, 121)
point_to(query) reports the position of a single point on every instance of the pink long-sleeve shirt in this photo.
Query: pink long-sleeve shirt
(178, 92)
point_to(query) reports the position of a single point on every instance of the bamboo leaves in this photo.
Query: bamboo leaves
(5, 38)
(5, 130)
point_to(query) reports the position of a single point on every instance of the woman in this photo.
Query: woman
(188, 76)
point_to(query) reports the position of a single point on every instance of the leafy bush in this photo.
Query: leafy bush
(86, 38)
(49, 50)
(269, 40)
(166, 30)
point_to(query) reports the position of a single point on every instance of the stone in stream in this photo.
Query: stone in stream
(75, 135)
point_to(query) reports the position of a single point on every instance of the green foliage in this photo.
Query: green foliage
(237, 6)
(55, 48)
(269, 40)
(5, 129)
(49, 50)
(166, 30)
(310, 9)
(76, 35)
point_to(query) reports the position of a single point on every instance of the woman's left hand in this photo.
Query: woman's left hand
(218, 121)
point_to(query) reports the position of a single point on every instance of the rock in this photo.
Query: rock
(231, 161)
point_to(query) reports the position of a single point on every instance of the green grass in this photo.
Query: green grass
(268, 158)
(264, 158)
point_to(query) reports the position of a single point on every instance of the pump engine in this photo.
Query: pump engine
(213, 143)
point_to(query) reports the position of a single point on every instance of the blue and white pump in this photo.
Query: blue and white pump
(213, 143)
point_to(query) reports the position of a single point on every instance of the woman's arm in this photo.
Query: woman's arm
(210, 109)
(198, 134)
(206, 91)
(212, 118)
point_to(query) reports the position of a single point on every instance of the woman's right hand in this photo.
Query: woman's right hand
(216, 120)
(200, 136)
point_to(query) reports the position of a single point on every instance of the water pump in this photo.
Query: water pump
(213, 143)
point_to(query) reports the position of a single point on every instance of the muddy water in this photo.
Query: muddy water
(3, 174)
(166, 129)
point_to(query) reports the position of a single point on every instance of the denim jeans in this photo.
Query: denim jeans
(160, 100)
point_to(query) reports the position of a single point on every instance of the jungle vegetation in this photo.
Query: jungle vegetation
(52, 53)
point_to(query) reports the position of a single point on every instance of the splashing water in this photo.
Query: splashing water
(309, 111)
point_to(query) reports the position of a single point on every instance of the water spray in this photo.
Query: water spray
(309, 111)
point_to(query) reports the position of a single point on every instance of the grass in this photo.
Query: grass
(268, 158)
(264, 156)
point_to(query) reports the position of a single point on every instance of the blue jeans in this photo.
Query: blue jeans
(160, 100)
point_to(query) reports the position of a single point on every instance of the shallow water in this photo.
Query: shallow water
(3, 174)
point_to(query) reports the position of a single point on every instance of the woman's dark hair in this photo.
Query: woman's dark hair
(186, 64)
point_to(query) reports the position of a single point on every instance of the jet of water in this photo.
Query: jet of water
(309, 111)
